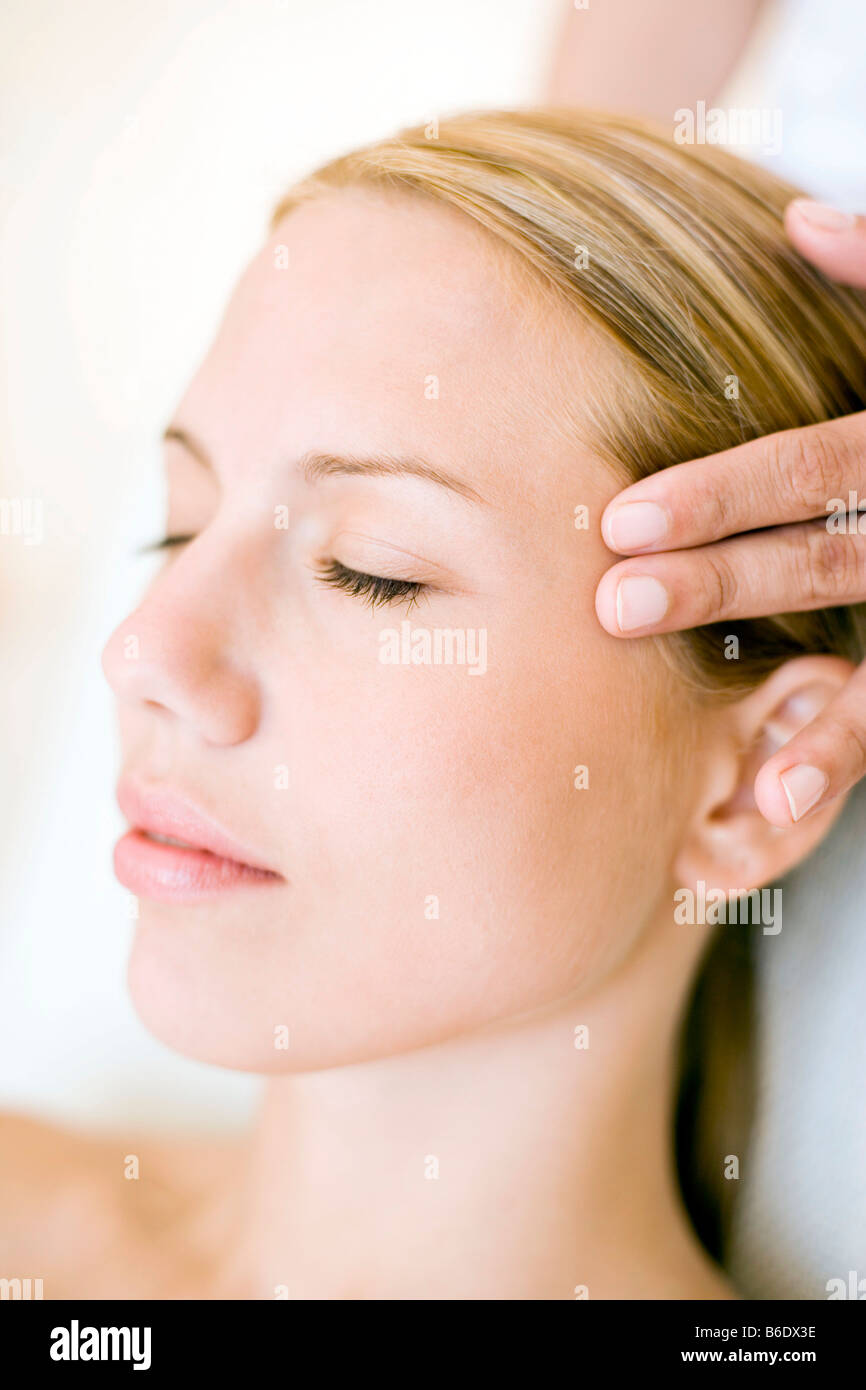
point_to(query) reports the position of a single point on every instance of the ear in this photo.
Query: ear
(729, 844)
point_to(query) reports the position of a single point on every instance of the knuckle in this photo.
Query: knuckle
(831, 565)
(812, 466)
(715, 506)
(719, 592)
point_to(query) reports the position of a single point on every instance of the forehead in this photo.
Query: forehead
(379, 320)
(403, 278)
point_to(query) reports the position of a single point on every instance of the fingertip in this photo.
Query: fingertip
(605, 525)
(833, 240)
(640, 523)
(806, 213)
(771, 799)
(629, 604)
(605, 603)
(787, 794)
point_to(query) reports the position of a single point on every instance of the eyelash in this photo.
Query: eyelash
(375, 590)
(163, 544)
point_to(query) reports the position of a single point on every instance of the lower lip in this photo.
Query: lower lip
(170, 873)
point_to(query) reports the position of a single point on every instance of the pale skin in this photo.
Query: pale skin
(711, 569)
(647, 59)
(708, 565)
(431, 1130)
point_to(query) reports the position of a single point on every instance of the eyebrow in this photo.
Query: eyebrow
(315, 465)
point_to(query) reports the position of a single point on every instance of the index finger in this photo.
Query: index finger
(794, 475)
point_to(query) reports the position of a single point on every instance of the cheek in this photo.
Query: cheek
(444, 870)
(447, 847)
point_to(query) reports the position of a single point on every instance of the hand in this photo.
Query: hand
(784, 481)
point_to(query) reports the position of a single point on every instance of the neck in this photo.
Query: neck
(509, 1163)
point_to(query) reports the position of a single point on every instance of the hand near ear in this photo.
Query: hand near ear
(754, 823)
(744, 533)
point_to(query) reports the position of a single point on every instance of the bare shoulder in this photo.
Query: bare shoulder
(47, 1189)
(98, 1215)
(38, 1160)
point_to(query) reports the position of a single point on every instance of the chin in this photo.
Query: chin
(207, 991)
(187, 995)
(256, 998)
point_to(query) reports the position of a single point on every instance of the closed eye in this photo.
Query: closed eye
(164, 544)
(371, 587)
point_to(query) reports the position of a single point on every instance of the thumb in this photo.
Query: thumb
(823, 760)
(834, 241)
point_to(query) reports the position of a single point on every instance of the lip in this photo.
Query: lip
(214, 863)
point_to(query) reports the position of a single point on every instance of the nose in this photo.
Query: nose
(177, 652)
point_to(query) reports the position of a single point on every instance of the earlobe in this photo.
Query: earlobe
(731, 845)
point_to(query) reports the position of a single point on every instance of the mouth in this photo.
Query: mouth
(175, 852)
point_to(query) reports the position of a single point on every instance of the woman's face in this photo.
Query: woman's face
(438, 867)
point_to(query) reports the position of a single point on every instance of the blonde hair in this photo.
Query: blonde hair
(676, 256)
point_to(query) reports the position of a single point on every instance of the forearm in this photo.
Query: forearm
(647, 57)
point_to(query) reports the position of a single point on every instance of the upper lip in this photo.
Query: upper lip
(162, 810)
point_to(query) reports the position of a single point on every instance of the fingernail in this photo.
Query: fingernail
(640, 601)
(821, 215)
(803, 785)
(636, 524)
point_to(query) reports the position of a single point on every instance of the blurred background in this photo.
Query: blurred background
(143, 147)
